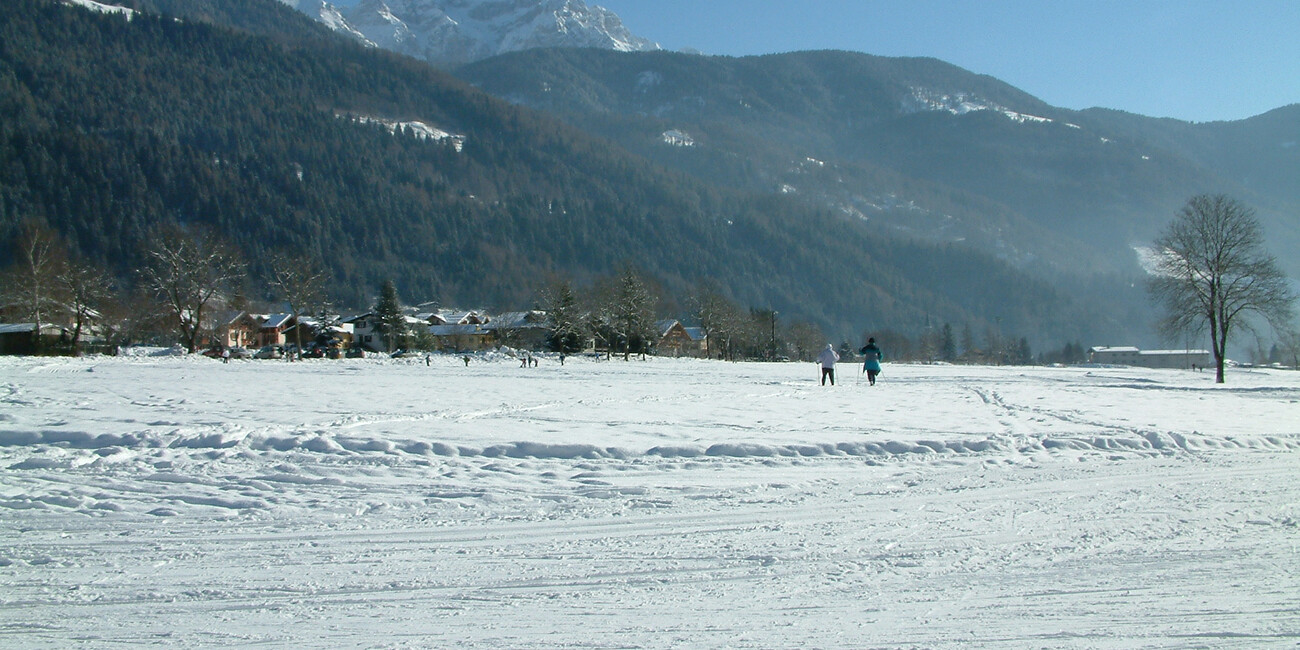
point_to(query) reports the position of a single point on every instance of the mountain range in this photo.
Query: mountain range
(853, 191)
(453, 32)
(915, 146)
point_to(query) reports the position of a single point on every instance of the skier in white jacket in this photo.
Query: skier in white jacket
(827, 358)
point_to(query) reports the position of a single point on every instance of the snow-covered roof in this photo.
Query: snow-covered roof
(519, 320)
(274, 320)
(229, 316)
(455, 330)
(27, 328)
(461, 317)
(1134, 350)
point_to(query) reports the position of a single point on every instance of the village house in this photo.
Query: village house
(276, 329)
(365, 331)
(677, 340)
(526, 330)
(461, 337)
(236, 329)
(23, 338)
(455, 317)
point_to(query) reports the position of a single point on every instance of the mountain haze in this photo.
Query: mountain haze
(248, 118)
(918, 146)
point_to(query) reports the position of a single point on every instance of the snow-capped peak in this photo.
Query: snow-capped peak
(452, 32)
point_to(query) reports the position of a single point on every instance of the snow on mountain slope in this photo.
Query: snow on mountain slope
(102, 7)
(415, 129)
(923, 99)
(452, 32)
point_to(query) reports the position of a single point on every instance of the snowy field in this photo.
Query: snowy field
(180, 502)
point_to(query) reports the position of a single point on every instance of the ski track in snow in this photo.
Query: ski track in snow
(383, 503)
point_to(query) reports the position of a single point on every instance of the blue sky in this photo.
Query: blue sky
(1196, 60)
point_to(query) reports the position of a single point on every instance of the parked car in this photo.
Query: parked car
(235, 353)
(270, 352)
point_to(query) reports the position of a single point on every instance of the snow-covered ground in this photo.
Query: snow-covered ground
(182, 502)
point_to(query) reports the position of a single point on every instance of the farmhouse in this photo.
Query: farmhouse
(677, 340)
(520, 329)
(1132, 356)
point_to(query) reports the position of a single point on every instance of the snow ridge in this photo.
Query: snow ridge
(102, 8)
(416, 129)
(961, 103)
(454, 32)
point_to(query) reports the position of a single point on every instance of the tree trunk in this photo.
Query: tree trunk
(1220, 344)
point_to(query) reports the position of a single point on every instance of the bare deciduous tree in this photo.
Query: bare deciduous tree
(1212, 269)
(806, 340)
(620, 313)
(720, 318)
(300, 283)
(32, 287)
(86, 288)
(189, 273)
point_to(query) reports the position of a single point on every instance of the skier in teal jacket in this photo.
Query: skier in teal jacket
(873, 357)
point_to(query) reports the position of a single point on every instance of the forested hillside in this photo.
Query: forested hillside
(274, 137)
(920, 146)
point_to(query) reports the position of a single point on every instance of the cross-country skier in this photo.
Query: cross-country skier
(873, 357)
(827, 358)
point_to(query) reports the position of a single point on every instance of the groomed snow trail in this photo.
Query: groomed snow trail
(363, 503)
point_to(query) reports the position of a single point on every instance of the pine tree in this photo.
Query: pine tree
(948, 346)
(392, 322)
(633, 316)
(564, 316)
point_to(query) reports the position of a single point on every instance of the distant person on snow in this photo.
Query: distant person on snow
(827, 358)
(871, 362)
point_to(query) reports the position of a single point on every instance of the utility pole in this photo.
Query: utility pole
(774, 313)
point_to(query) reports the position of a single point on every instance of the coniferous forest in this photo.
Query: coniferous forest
(275, 139)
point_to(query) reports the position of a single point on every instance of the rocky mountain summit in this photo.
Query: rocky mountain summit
(453, 32)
